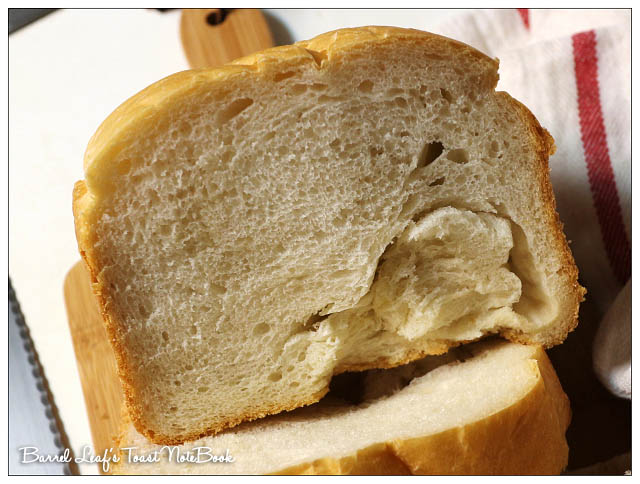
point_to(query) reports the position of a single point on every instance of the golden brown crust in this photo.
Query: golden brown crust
(526, 438)
(248, 417)
(81, 202)
(143, 108)
(412, 354)
(545, 147)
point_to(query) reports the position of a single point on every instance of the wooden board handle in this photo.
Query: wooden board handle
(212, 37)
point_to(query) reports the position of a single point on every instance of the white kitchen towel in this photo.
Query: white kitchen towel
(611, 353)
(572, 68)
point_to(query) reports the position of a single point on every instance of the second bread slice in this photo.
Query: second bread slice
(488, 408)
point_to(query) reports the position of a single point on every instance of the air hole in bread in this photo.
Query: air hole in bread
(281, 76)
(327, 99)
(234, 109)
(144, 312)
(165, 336)
(458, 156)
(318, 86)
(181, 194)
(177, 383)
(184, 129)
(401, 102)
(124, 167)
(275, 376)
(335, 144)
(447, 95)
(261, 328)
(430, 153)
(319, 235)
(376, 150)
(312, 324)
(298, 89)
(365, 86)
(203, 389)
(493, 148)
(217, 289)
(227, 156)
(437, 182)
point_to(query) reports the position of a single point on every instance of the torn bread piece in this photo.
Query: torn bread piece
(355, 201)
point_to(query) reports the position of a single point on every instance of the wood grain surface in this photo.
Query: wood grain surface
(96, 363)
(212, 37)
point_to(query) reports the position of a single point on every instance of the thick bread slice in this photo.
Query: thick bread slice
(501, 411)
(356, 201)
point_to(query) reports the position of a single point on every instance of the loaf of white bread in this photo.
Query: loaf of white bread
(485, 408)
(355, 201)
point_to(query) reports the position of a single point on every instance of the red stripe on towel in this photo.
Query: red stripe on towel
(596, 154)
(524, 14)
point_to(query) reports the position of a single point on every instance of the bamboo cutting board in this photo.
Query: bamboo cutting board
(96, 363)
(212, 36)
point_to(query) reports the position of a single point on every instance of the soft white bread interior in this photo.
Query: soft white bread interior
(486, 408)
(355, 201)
